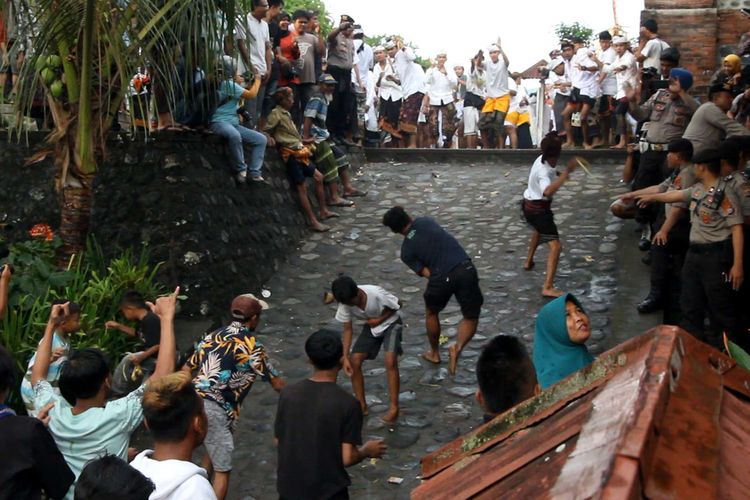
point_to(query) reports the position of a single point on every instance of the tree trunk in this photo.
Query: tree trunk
(75, 217)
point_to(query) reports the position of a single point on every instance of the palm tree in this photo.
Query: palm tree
(84, 55)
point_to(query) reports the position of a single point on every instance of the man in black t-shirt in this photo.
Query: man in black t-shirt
(31, 461)
(432, 252)
(318, 428)
(135, 367)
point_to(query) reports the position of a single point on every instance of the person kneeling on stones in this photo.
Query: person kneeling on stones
(505, 376)
(382, 327)
(136, 367)
(329, 158)
(298, 157)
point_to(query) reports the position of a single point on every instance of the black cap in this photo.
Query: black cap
(730, 150)
(711, 155)
(605, 35)
(650, 25)
(346, 19)
(670, 54)
(681, 146)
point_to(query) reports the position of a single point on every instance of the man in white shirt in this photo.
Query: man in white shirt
(519, 111)
(474, 100)
(584, 77)
(625, 70)
(412, 77)
(259, 41)
(608, 84)
(497, 103)
(388, 88)
(559, 87)
(650, 45)
(438, 104)
(382, 327)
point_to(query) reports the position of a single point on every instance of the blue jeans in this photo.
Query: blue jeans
(236, 135)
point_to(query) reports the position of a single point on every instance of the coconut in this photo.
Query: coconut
(56, 89)
(48, 76)
(54, 61)
(40, 64)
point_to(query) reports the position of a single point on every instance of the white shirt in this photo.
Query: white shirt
(378, 299)
(412, 79)
(388, 90)
(627, 77)
(652, 52)
(364, 59)
(568, 76)
(555, 78)
(174, 479)
(586, 81)
(516, 100)
(476, 83)
(609, 83)
(540, 177)
(440, 87)
(497, 77)
(259, 39)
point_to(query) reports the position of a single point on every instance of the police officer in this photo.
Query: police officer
(668, 111)
(670, 243)
(713, 269)
(710, 124)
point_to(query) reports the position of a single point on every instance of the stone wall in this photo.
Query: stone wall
(702, 30)
(174, 195)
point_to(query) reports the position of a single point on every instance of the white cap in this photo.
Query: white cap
(619, 39)
(493, 48)
(557, 61)
(379, 48)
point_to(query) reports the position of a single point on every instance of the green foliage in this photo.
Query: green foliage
(376, 40)
(575, 30)
(93, 281)
(326, 23)
(739, 355)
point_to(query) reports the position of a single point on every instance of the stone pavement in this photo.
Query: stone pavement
(480, 206)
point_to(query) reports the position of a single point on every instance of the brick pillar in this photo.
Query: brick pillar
(702, 30)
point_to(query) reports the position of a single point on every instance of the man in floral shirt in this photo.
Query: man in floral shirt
(225, 365)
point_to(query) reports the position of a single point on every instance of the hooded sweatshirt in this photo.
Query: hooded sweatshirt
(555, 355)
(174, 479)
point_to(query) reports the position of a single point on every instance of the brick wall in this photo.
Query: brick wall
(702, 30)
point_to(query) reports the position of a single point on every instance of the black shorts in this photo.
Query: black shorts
(463, 282)
(622, 106)
(369, 344)
(606, 105)
(543, 221)
(577, 98)
(297, 171)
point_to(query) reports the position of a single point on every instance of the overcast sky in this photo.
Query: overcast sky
(462, 27)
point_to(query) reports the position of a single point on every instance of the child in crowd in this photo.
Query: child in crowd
(60, 350)
(378, 309)
(111, 478)
(127, 375)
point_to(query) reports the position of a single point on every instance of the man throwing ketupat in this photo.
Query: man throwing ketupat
(431, 252)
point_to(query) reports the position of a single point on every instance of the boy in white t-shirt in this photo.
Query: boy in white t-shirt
(584, 77)
(382, 326)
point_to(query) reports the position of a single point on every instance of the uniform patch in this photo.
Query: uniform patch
(411, 234)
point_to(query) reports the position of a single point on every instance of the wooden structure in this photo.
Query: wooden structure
(660, 416)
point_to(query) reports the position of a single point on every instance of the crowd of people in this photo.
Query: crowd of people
(690, 196)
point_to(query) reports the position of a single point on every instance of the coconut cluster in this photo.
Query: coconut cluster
(50, 72)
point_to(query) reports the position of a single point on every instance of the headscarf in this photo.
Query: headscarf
(736, 63)
(555, 355)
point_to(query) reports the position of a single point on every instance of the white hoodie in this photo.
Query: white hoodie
(174, 479)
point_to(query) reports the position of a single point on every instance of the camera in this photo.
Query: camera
(244, 115)
(543, 72)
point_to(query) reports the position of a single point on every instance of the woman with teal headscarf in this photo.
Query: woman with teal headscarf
(562, 327)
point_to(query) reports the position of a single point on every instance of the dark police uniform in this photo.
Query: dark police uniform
(667, 120)
(713, 213)
(667, 260)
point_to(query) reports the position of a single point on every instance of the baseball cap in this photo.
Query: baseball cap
(246, 306)
(326, 79)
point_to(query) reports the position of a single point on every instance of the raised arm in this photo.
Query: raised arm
(44, 351)
(164, 307)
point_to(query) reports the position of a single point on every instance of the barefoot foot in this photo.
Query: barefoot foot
(551, 293)
(528, 265)
(453, 354)
(432, 357)
(391, 417)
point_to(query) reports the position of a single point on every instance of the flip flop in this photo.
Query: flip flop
(343, 203)
(355, 194)
(322, 229)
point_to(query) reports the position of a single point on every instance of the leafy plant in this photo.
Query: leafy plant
(93, 281)
(576, 30)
